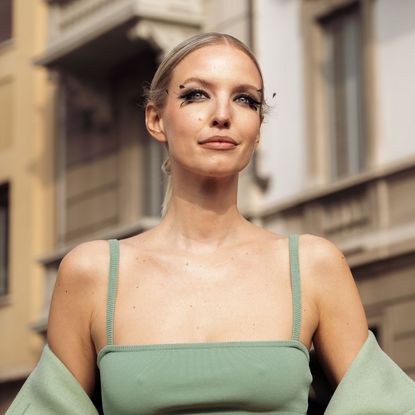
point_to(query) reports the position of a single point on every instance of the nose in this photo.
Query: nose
(221, 117)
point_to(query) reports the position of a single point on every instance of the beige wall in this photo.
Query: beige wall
(26, 157)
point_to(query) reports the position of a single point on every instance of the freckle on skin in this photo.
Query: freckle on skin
(66, 291)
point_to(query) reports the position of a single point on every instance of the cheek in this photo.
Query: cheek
(251, 125)
(182, 123)
(181, 129)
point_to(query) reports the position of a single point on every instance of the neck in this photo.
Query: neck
(202, 212)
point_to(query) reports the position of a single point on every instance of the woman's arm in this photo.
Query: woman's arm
(342, 327)
(74, 297)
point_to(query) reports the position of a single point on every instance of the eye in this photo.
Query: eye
(193, 95)
(249, 101)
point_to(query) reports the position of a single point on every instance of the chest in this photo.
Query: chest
(183, 298)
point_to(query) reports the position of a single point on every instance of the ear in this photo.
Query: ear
(154, 124)
(258, 138)
(261, 119)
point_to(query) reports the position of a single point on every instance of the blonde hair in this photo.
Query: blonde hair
(156, 93)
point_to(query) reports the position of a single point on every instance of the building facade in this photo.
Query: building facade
(26, 187)
(336, 157)
(338, 147)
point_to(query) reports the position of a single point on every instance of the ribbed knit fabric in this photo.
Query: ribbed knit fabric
(237, 377)
(112, 286)
(295, 286)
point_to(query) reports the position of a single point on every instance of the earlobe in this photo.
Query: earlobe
(154, 124)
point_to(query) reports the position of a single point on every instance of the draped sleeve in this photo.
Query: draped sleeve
(51, 389)
(373, 385)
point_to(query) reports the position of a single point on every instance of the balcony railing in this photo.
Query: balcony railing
(369, 216)
(74, 23)
(67, 16)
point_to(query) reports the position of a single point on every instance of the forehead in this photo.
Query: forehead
(221, 61)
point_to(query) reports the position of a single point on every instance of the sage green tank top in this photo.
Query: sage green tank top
(235, 377)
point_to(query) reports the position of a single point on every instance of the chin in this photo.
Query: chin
(221, 171)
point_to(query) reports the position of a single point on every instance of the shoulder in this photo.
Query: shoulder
(85, 262)
(323, 259)
(325, 268)
(320, 249)
(82, 275)
(342, 327)
(80, 286)
(326, 273)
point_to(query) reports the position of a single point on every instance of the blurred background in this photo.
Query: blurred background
(336, 159)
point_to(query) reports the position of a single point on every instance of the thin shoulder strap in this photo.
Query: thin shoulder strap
(295, 286)
(112, 287)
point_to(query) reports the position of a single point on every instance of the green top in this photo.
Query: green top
(235, 377)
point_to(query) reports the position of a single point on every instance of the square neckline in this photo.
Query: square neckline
(108, 348)
(294, 341)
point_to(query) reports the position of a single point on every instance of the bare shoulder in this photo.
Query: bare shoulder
(342, 327)
(85, 261)
(323, 260)
(319, 248)
(79, 287)
(81, 273)
(327, 272)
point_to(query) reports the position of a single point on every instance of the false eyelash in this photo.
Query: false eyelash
(251, 102)
(187, 96)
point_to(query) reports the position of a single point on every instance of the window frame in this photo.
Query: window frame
(7, 5)
(313, 12)
(5, 254)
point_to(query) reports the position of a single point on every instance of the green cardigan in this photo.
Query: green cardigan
(373, 385)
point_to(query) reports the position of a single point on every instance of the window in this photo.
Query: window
(4, 238)
(91, 172)
(343, 84)
(6, 19)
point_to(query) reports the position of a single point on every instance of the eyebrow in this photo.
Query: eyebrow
(208, 84)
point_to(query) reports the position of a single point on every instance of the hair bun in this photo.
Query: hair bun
(166, 167)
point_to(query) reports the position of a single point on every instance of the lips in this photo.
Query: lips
(219, 139)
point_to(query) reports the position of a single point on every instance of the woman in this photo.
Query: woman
(206, 312)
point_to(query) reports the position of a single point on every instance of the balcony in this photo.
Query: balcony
(369, 216)
(115, 27)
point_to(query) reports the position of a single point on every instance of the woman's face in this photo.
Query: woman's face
(211, 118)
